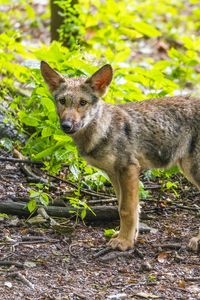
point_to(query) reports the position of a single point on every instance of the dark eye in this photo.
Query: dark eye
(83, 102)
(62, 101)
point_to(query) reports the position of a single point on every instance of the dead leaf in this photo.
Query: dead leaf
(29, 264)
(181, 284)
(162, 257)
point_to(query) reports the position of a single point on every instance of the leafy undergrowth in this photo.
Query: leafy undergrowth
(154, 51)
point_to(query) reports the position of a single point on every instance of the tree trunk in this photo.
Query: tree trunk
(71, 32)
(56, 20)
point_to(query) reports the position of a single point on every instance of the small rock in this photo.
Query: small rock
(37, 220)
(146, 266)
(14, 221)
(8, 284)
(147, 295)
(144, 228)
(117, 296)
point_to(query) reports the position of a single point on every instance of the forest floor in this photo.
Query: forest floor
(44, 261)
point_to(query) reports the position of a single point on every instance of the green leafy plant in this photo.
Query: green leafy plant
(79, 208)
(109, 232)
(71, 30)
(151, 278)
(37, 197)
(143, 194)
(4, 216)
(130, 35)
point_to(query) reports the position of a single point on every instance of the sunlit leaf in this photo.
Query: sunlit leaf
(32, 205)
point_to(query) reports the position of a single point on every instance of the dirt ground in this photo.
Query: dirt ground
(41, 261)
(47, 262)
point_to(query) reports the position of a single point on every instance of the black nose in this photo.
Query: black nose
(66, 126)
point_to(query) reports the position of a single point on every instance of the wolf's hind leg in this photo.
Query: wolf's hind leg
(194, 242)
(191, 169)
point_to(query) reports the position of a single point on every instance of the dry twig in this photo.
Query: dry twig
(22, 278)
(102, 252)
(108, 253)
(70, 249)
(11, 263)
(173, 246)
(21, 161)
(117, 254)
(27, 170)
(192, 278)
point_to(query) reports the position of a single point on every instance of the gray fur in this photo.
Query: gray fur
(124, 139)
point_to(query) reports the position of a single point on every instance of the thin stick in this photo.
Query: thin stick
(102, 252)
(106, 200)
(27, 170)
(192, 278)
(187, 207)
(70, 249)
(22, 278)
(116, 254)
(174, 246)
(31, 174)
(38, 242)
(21, 161)
(11, 263)
(84, 191)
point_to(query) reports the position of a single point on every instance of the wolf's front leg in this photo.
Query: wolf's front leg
(128, 209)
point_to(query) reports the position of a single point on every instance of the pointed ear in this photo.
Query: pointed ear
(52, 78)
(101, 79)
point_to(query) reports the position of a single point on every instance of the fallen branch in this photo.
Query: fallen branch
(22, 278)
(174, 246)
(101, 212)
(187, 207)
(192, 278)
(28, 172)
(116, 254)
(11, 263)
(108, 213)
(21, 161)
(102, 252)
(38, 242)
(108, 254)
(33, 238)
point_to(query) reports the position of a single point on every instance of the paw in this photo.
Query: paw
(193, 244)
(120, 243)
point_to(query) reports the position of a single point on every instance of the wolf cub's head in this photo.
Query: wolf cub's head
(77, 99)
